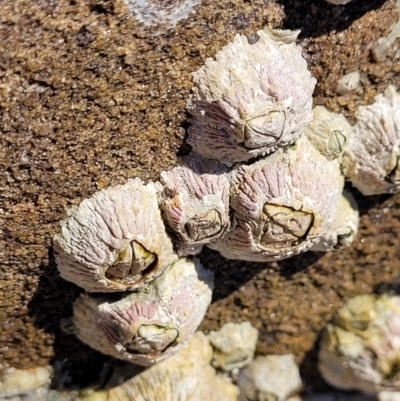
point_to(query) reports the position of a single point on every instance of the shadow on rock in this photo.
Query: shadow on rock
(75, 365)
(318, 17)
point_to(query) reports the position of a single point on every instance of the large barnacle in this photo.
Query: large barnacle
(115, 240)
(282, 204)
(252, 99)
(196, 203)
(151, 324)
(371, 160)
(360, 350)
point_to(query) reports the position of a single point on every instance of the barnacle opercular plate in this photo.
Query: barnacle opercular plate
(371, 160)
(151, 324)
(195, 201)
(252, 99)
(329, 132)
(282, 204)
(116, 240)
(360, 350)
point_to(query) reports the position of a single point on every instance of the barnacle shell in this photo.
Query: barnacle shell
(282, 204)
(149, 325)
(196, 203)
(234, 345)
(187, 376)
(116, 240)
(328, 132)
(344, 228)
(360, 350)
(272, 377)
(251, 100)
(372, 158)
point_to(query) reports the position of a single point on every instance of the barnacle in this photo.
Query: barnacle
(234, 345)
(187, 376)
(282, 204)
(371, 160)
(360, 350)
(272, 377)
(328, 132)
(196, 203)
(344, 227)
(115, 240)
(151, 324)
(251, 100)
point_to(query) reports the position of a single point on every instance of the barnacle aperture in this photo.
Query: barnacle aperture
(152, 323)
(115, 240)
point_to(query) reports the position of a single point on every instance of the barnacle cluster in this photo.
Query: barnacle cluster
(264, 181)
(360, 349)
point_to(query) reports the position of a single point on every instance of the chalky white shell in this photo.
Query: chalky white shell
(195, 203)
(282, 204)
(151, 324)
(344, 228)
(116, 240)
(187, 376)
(371, 160)
(252, 99)
(360, 350)
(234, 345)
(329, 132)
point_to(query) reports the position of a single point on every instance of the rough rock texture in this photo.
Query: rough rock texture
(90, 97)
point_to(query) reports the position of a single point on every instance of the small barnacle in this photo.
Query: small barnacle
(234, 345)
(116, 240)
(195, 202)
(255, 97)
(186, 376)
(371, 159)
(344, 227)
(282, 204)
(271, 377)
(151, 324)
(360, 349)
(328, 132)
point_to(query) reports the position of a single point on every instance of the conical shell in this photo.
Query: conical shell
(195, 203)
(116, 240)
(282, 204)
(360, 350)
(329, 132)
(252, 99)
(152, 324)
(371, 160)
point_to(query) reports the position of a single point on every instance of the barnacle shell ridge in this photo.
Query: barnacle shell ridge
(371, 160)
(360, 349)
(196, 203)
(115, 240)
(151, 324)
(282, 204)
(252, 99)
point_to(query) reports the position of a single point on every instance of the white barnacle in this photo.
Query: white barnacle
(195, 202)
(151, 324)
(329, 132)
(282, 204)
(344, 228)
(252, 99)
(234, 345)
(371, 160)
(115, 240)
(186, 376)
(360, 349)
